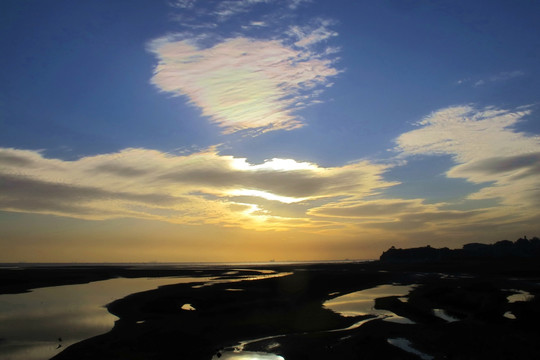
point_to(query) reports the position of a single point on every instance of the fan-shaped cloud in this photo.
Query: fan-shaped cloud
(241, 83)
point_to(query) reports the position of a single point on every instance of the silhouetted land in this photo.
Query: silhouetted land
(523, 248)
(472, 288)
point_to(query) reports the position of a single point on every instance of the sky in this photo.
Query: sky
(256, 130)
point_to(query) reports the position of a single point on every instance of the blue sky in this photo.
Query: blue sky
(265, 128)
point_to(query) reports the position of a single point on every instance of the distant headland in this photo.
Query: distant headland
(522, 248)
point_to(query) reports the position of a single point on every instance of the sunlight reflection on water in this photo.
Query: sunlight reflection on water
(239, 278)
(520, 295)
(363, 302)
(247, 355)
(238, 353)
(442, 314)
(188, 307)
(509, 315)
(406, 345)
(39, 324)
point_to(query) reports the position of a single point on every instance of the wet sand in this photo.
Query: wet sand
(153, 324)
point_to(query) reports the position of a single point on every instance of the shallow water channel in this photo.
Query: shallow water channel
(39, 324)
(352, 304)
(363, 302)
(248, 355)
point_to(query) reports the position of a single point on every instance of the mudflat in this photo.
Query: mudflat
(288, 315)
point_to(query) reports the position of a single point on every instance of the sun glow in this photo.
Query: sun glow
(264, 195)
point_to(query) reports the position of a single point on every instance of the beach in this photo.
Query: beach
(273, 311)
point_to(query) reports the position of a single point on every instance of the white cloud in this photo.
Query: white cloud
(479, 83)
(487, 150)
(310, 35)
(183, 4)
(294, 4)
(241, 83)
(507, 75)
(467, 134)
(229, 8)
(500, 77)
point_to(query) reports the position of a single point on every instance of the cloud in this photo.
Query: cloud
(241, 83)
(19, 158)
(225, 9)
(479, 83)
(310, 35)
(434, 221)
(486, 149)
(398, 217)
(372, 209)
(467, 134)
(207, 187)
(500, 77)
(183, 4)
(294, 4)
(204, 187)
(518, 166)
(229, 8)
(34, 195)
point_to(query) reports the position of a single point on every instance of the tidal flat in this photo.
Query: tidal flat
(282, 311)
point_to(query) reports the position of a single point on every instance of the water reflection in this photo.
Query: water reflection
(406, 345)
(509, 315)
(520, 295)
(363, 302)
(188, 307)
(264, 274)
(442, 314)
(32, 324)
(247, 355)
(237, 352)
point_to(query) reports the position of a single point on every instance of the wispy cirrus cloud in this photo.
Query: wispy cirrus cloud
(242, 83)
(309, 35)
(229, 8)
(225, 9)
(183, 4)
(385, 209)
(500, 77)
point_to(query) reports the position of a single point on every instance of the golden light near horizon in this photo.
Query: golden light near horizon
(274, 122)
(264, 195)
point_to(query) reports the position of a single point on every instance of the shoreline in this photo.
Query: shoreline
(23, 277)
(152, 324)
